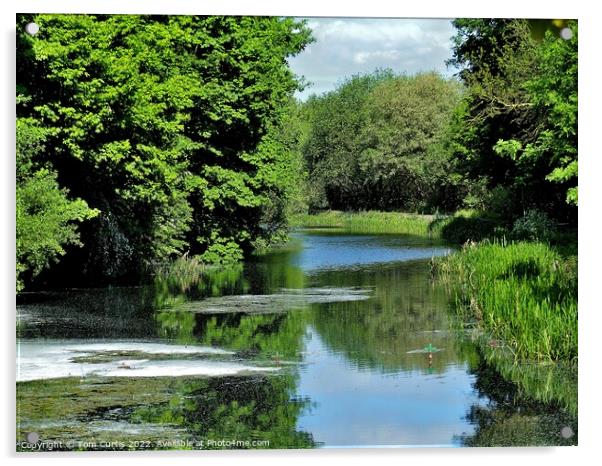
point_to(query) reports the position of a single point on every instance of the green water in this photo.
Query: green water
(332, 340)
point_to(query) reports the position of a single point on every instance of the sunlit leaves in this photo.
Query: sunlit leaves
(151, 117)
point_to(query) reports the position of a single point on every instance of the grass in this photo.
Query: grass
(371, 222)
(524, 294)
(457, 228)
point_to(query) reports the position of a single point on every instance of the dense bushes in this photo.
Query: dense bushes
(459, 228)
(535, 226)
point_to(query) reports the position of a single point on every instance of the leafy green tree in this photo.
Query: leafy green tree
(403, 162)
(515, 131)
(157, 122)
(553, 92)
(376, 142)
(46, 218)
(332, 146)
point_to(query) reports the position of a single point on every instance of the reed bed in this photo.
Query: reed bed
(524, 294)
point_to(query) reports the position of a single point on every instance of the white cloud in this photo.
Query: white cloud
(347, 46)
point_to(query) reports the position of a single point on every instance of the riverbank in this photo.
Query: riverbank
(518, 297)
(369, 222)
(456, 228)
(523, 293)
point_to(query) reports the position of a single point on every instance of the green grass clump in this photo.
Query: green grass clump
(371, 222)
(524, 294)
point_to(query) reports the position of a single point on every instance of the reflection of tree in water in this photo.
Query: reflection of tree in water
(510, 417)
(265, 335)
(235, 408)
(407, 312)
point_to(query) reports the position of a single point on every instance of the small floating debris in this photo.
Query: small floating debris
(428, 349)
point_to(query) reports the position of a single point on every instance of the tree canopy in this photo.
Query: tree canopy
(375, 142)
(517, 128)
(159, 123)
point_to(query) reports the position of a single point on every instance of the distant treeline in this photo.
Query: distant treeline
(144, 138)
(500, 137)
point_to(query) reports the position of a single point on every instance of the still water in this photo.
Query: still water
(334, 340)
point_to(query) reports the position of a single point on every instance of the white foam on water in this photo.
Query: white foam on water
(50, 359)
(144, 347)
(183, 368)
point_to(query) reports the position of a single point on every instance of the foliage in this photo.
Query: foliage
(460, 228)
(160, 123)
(535, 226)
(331, 147)
(516, 128)
(524, 294)
(554, 94)
(285, 176)
(376, 142)
(46, 218)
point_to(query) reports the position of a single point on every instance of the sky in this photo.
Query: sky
(346, 46)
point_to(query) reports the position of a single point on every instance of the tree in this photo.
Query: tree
(403, 163)
(157, 122)
(376, 142)
(46, 218)
(332, 146)
(516, 128)
(553, 92)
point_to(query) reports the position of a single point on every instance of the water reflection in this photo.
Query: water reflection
(324, 345)
(510, 416)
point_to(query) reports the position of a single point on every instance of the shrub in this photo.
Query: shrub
(461, 229)
(535, 226)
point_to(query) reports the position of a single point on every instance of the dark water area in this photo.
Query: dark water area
(333, 340)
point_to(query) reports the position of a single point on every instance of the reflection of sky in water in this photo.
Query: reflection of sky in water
(367, 407)
(363, 386)
(330, 251)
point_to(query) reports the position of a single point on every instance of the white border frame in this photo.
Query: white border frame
(590, 164)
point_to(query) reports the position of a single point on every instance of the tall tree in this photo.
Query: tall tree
(156, 121)
(516, 128)
(376, 143)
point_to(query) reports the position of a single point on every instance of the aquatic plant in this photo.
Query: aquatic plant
(524, 294)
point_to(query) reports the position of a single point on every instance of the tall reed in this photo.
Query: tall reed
(524, 294)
